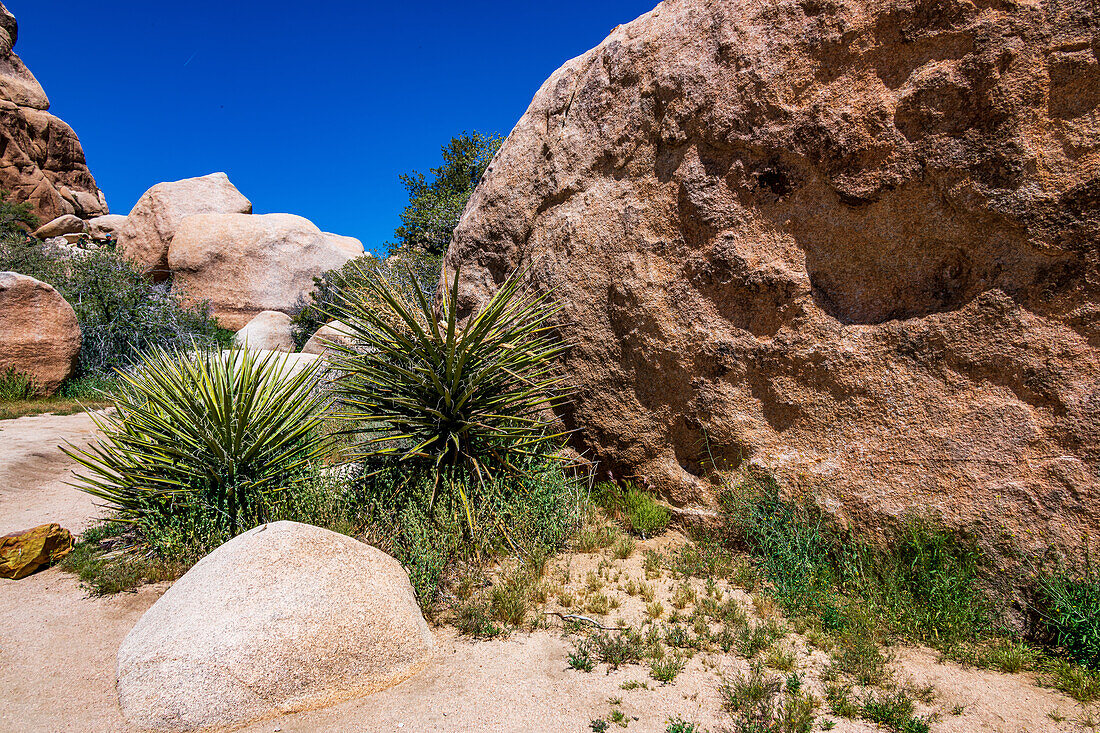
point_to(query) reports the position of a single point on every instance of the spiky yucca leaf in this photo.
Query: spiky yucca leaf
(219, 430)
(460, 401)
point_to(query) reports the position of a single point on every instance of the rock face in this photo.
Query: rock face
(22, 553)
(247, 264)
(331, 334)
(41, 161)
(283, 617)
(853, 241)
(39, 333)
(149, 229)
(269, 331)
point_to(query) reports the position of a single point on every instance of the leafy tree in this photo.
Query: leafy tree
(436, 201)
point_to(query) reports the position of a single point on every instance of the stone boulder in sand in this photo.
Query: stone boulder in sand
(283, 617)
(326, 337)
(23, 553)
(247, 264)
(152, 223)
(39, 333)
(855, 242)
(41, 160)
(268, 331)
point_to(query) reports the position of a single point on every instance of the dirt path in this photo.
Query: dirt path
(58, 647)
(33, 471)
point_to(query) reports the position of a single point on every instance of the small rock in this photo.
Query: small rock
(22, 553)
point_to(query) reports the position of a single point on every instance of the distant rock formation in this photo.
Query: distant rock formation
(855, 241)
(41, 161)
(244, 264)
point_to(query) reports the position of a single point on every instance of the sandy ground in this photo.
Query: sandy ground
(33, 471)
(58, 646)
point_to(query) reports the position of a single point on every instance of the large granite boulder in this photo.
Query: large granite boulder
(855, 242)
(41, 160)
(39, 333)
(268, 331)
(283, 617)
(148, 231)
(244, 264)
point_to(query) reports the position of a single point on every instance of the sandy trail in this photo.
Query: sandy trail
(58, 648)
(33, 472)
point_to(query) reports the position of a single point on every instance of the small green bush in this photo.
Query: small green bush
(16, 386)
(922, 586)
(641, 514)
(1070, 615)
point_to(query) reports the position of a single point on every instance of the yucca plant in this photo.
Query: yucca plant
(465, 403)
(201, 431)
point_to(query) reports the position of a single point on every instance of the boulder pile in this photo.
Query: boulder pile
(854, 243)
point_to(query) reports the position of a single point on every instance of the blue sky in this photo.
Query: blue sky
(312, 108)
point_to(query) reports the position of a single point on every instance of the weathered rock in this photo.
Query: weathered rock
(269, 331)
(247, 264)
(855, 242)
(41, 161)
(22, 553)
(351, 245)
(283, 617)
(106, 227)
(39, 333)
(152, 223)
(326, 337)
(59, 227)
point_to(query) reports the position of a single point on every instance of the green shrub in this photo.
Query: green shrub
(641, 514)
(532, 513)
(122, 315)
(202, 443)
(1070, 615)
(333, 290)
(16, 386)
(462, 405)
(921, 586)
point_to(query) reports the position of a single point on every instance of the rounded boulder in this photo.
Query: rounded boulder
(268, 331)
(39, 332)
(284, 617)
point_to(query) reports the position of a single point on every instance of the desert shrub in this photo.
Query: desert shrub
(437, 200)
(462, 405)
(201, 444)
(922, 586)
(641, 514)
(122, 315)
(759, 703)
(531, 513)
(16, 386)
(1070, 615)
